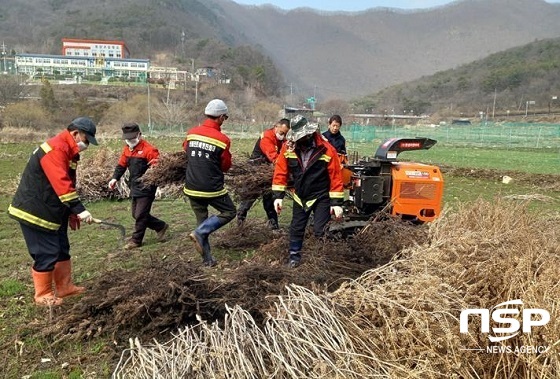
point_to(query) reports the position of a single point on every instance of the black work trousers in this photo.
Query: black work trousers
(222, 204)
(268, 206)
(46, 248)
(141, 208)
(321, 216)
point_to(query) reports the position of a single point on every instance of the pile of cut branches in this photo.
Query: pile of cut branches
(94, 173)
(399, 320)
(248, 181)
(245, 180)
(170, 170)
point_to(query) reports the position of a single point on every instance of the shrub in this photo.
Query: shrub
(26, 114)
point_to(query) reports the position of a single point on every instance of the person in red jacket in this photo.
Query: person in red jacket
(46, 202)
(209, 157)
(266, 151)
(314, 167)
(138, 156)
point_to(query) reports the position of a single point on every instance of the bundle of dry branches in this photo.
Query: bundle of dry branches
(245, 180)
(480, 256)
(94, 172)
(170, 170)
(398, 320)
(249, 181)
(304, 339)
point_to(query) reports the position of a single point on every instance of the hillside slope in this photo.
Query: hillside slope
(330, 55)
(504, 83)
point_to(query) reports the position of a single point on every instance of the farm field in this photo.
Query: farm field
(150, 292)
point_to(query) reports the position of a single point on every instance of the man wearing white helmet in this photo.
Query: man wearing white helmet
(209, 157)
(314, 166)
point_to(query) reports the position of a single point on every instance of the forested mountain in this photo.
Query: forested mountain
(502, 83)
(330, 55)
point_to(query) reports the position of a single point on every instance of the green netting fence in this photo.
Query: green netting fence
(503, 135)
(499, 135)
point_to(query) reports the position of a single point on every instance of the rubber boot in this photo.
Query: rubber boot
(294, 260)
(63, 285)
(200, 238)
(43, 283)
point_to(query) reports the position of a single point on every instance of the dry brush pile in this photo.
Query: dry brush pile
(245, 180)
(94, 173)
(400, 320)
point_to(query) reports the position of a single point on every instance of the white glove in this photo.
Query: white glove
(278, 205)
(86, 217)
(337, 211)
(112, 183)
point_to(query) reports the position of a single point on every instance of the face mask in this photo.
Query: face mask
(132, 142)
(82, 146)
(280, 137)
(306, 142)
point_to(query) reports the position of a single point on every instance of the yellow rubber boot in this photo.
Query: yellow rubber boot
(63, 280)
(44, 294)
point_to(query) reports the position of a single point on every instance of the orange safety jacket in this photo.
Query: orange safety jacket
(267, 146)
(46, 194)
(208, 157)
(320, 178)
(137, 160)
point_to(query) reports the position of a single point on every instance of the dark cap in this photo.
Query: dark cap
(86, 125)
(130, 131)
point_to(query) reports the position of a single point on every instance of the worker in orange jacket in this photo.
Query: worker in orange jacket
(209, 157)
(46, 203)
(266, 151)
(138, 155)
(314, 167)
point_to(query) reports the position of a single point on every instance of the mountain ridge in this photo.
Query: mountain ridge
(322, 54)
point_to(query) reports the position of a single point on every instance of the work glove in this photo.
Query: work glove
(278, 205)
(86, 217)
(74, 222)
(337, 211)
(112, 184)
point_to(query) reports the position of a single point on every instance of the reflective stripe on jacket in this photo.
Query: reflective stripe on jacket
(46, 194)
(208, 158)
(321, 176)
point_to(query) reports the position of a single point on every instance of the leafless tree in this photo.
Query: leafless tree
(11, 90)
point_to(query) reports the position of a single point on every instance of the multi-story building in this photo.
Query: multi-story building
(94, 48)
(85, 58)
(41, 64)
(105, 60)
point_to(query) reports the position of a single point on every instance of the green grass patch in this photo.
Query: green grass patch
(93, 245)
(11, 287)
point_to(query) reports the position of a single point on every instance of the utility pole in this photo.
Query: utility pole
(4, 70)
(183, 43)
(494, 105)
(291, 94)
(195, 82)
(149, 112)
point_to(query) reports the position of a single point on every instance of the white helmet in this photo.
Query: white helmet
(216, 108)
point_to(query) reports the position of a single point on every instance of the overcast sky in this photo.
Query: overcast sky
(352, 5)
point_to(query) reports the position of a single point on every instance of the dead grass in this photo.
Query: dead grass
(397, 320)
(15, 135)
